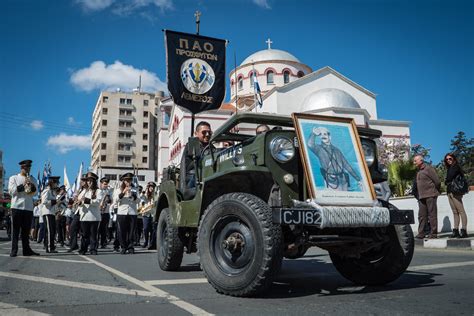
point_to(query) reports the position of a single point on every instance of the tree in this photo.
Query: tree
(388, 151)
(418, 149)
(463, 149)
(401, 174)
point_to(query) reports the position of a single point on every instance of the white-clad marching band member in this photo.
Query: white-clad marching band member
(76, 219)
(90, 215)
(139, 225)
(126, 201)
(22, 187)
(104, 211)
(60, 215)
(147, 207)
(48, 211)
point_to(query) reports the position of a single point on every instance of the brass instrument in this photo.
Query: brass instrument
(27, 185)
(142, 210)
(104, 202)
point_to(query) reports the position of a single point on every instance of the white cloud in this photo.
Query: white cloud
(36, 125)
(128, 7)
(117, 75)
(64, 143)
(71, 121)
(262, 3)
(94, 5)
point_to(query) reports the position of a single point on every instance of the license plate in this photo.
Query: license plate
(300, 217)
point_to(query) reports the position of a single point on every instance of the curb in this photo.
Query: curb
(459, 244)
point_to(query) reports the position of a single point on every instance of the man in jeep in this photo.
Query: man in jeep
(203, 132)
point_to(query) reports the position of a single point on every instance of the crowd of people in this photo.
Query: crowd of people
(93, 218)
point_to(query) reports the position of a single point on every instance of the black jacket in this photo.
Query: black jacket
(453, 171)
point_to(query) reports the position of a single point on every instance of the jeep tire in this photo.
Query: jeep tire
(381, 265)
(169, 245)
(239, 246)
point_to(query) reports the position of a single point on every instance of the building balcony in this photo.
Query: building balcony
(126, 129)
(126, 118)
(126, 106)
(127, 141)
(125, 153)
(125, 164)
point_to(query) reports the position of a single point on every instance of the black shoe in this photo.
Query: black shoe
(103, 247)
(123, 251)
(152, 248)
(52, 251)
(116, 250)
(82, 252)
(455, 233)
(420, 236)
(463, 234)
(30, 253)
(13, 254)
(145, 246)
(94, 252)
(131, 251)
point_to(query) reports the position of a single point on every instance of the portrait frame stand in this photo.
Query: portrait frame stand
(335, 170)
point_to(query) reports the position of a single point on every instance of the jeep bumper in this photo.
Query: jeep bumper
(332, 217)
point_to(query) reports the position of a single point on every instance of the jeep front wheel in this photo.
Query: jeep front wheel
(239, 246)
(169, 245)
(382, 264)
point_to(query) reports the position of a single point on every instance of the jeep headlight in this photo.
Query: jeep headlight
(282, 149)
(369, 151)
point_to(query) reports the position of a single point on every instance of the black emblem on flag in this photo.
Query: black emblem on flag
(195, 70)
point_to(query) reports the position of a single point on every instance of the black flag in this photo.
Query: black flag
(195, 70)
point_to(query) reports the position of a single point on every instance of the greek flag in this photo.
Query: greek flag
(257, 91)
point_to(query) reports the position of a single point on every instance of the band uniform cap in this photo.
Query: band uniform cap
(91, 175)
(54, 178)
(151, 184)
(127, 175)
(84, 176)
(104, 179)
(63, 187)
(25, 163)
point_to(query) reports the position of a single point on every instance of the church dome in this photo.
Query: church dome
(326, 98)
(269, 54)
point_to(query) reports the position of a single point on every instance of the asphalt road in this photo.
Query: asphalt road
(438, 282)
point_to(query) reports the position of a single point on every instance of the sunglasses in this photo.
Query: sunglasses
(204, 133)
(449, 159)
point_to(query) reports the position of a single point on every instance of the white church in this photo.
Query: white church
(287, 86)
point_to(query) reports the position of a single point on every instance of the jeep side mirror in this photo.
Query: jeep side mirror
(194, 147)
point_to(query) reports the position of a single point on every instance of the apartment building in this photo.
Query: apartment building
(124, 126)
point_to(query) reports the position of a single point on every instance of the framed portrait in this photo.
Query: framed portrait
(333, 159)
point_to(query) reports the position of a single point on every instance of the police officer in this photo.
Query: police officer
(22, 187)
(50, 202)
(126, 200)
(104, 211)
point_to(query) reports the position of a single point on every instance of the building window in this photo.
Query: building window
(145, 113)
(103, 146)
(300, 74)
(127, 159)
(104, 122)
(144, 159)
(122, 101)
(145, 136)
(105, 99)
(145, 148)
(165, 119)
(145, 125)
(145, 102)
(141, 178)
(103, 157)
(251, 79)
(270, 77)
(104, 110)
(129, 101)
(104, 134)
(111, 176)
(240, 83)
(286, 77)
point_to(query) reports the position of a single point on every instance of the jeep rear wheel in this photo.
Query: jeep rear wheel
(169, 245)
(240, 248)
(381, 265)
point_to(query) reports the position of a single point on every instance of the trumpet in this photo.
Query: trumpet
(145, 208)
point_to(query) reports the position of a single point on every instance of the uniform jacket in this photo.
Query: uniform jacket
(20, 199)
(48, 202)
(90, 211)
(103, 193)
(81, 194)
(427, 182)
(127, 204)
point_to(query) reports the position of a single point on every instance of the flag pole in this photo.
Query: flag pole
(235, 84)
(254, 88)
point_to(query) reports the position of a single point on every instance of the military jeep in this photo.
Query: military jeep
(246, 213)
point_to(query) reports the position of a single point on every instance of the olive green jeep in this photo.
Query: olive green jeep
(250, 208)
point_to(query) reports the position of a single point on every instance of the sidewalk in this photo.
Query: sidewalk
(444, 242)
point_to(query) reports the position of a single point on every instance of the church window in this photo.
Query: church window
(300, 74)
(240, 83)
(251, 79)
(270, 77)
(286, 77)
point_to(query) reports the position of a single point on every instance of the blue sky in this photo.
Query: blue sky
(56, 56)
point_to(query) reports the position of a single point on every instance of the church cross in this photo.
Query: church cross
(198, 20)
(269, 42)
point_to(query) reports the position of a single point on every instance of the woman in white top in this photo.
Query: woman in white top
(48, 211)
(90, 215)
(126, 200)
